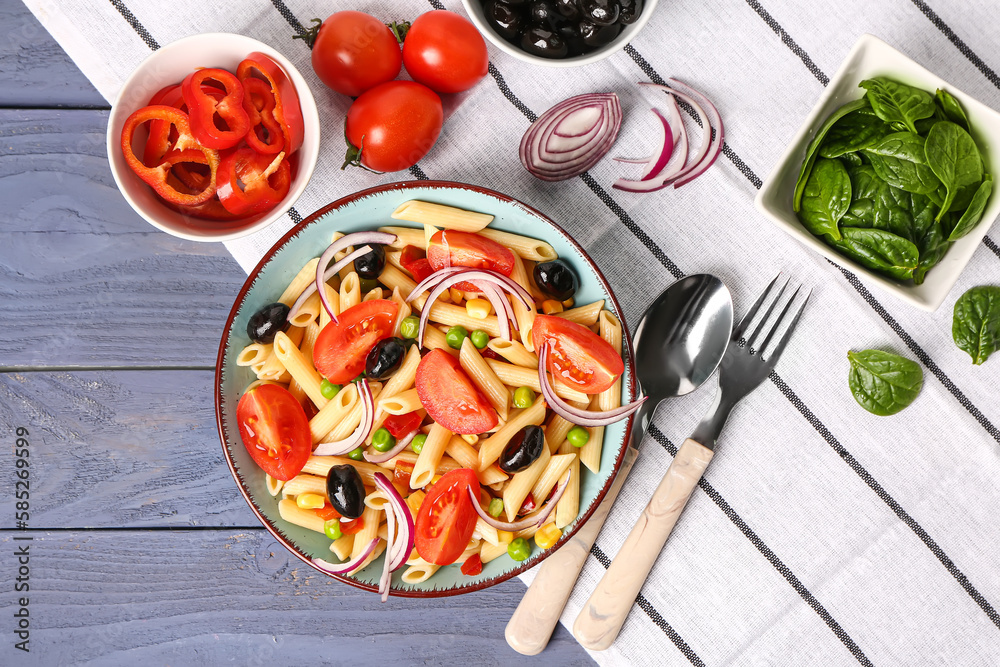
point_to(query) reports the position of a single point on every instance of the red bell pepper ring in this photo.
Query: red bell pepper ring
(161, 134)
(187, 149)
(266, 180)
(203, 108)
(287, 110)
(266, 134)
(210, 210)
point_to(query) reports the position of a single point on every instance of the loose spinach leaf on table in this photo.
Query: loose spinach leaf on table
(858, 129)
(972, 215)
(812, 150)
(896, 102)
(899, 160)
(883, 251)
(952, 155)
(952, 109)
(826, 197)
(883, 383)
(976, 323)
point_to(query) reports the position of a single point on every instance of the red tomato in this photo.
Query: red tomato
(473, 565)
(353, 526)
(403, 425)
(394, 125)
(453, 248)
(274, 430)
(445, 52)
(415, 261)
(579, 357)
(450, 397)
(327, 512)
(446, 519)
(341, 347)
(401, 474)
(355, 52)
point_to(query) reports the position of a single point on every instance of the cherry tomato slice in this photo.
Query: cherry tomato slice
(415, 261)
(353, 526)
(579, 357)
(446, 519)
(327, 512)
(401, 473)
(341, 347)
(274, 430)
(473, 565)
(450, 397)
(402, 425)
(452, 248)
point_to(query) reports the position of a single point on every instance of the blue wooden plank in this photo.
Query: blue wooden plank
(208, 598)
(35, 71)
(83, 279)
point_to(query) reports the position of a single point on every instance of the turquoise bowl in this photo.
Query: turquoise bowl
(367, 210)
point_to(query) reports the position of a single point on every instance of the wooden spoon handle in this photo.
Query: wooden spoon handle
(531, 626)
(602, 617)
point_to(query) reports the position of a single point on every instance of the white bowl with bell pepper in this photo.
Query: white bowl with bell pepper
(213, 137)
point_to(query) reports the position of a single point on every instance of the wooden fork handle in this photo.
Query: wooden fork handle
(531, 626)
(602, 617)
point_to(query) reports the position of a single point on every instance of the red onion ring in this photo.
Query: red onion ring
(382, 457)
(536, 519)
(386, 579)
(398, 552)
(576, 415)
(719, 132)
(356, 238)
(559, 145)
(349, 566)
(330, 273)
(356, 439)
(500, 304)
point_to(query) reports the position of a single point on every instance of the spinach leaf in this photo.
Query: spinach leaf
(852, 159)
(896, 102)
(932, 245)
(812, 150)
(974, 213)
(883, 251)
(922, 211)
(924, 125)
(883, 383)
(826, 197)
(976, 323)
(860, 214)
(864, 183)
(952, 109)
(899, 160)
(953, 157)
(892, 212)
(858, 129)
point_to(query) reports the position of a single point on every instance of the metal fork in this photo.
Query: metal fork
(749, 359)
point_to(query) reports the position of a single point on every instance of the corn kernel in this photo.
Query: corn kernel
(478, 308)
(505, 536)
(568, 303)
(456, 295)
(551, 307)
(435, 479)
(547, 535)
(309, 501)
(413, 501)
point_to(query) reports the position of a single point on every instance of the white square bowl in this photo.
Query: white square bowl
(871, 57)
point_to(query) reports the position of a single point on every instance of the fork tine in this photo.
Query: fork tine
(759, 329)
(748, 318)
(779, 346)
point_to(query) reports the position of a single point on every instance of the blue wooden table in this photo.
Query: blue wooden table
(141, 549)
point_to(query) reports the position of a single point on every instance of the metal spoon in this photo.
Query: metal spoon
(679, 343)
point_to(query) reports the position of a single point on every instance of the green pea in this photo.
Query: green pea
(519, 549)
(496, 506)
(456, 336)
(359, 378)
(523, 397)
(578, 436)
(357, 454)
(418, 442)
(332, 529)
(410, 326)
(328, 389)
(367, 284)
(480, 338)
(382, 440)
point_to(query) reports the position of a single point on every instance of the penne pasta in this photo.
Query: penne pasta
(405, 236)
(352, 419)
(254, 353)
(402, 313)
(333, 412)
(449, 217)
(568, 506)
(490, 552)
(519, 376)
(302, 280)
(333, 296)
(343, 547)
(522, 246)
(429, 457)
(320, 465)
(586, 315)
(553, 472)
(402, 403)
(491, 448)
(590, 453)
(467, 457)
(350, 291)
(308, 311)
(525, 317)
(302, 483)
(451, 315)
(419, 573)
(484, 378)
(374, 294)
(273, 485)
(514, 352)
(292, 513)
(609, 399)
(299, 368)
(521, 484)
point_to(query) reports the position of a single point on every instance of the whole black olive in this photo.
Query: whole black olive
(346, 491)
(384, 358)
(543, 42)
(267, 322)
(523, 449)
(630, 11)
(570, 33)
(370, 264)
(505, 20)
(542, 13)
(600, 12)
(556, 279)
(598, 35)
(568, 9)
